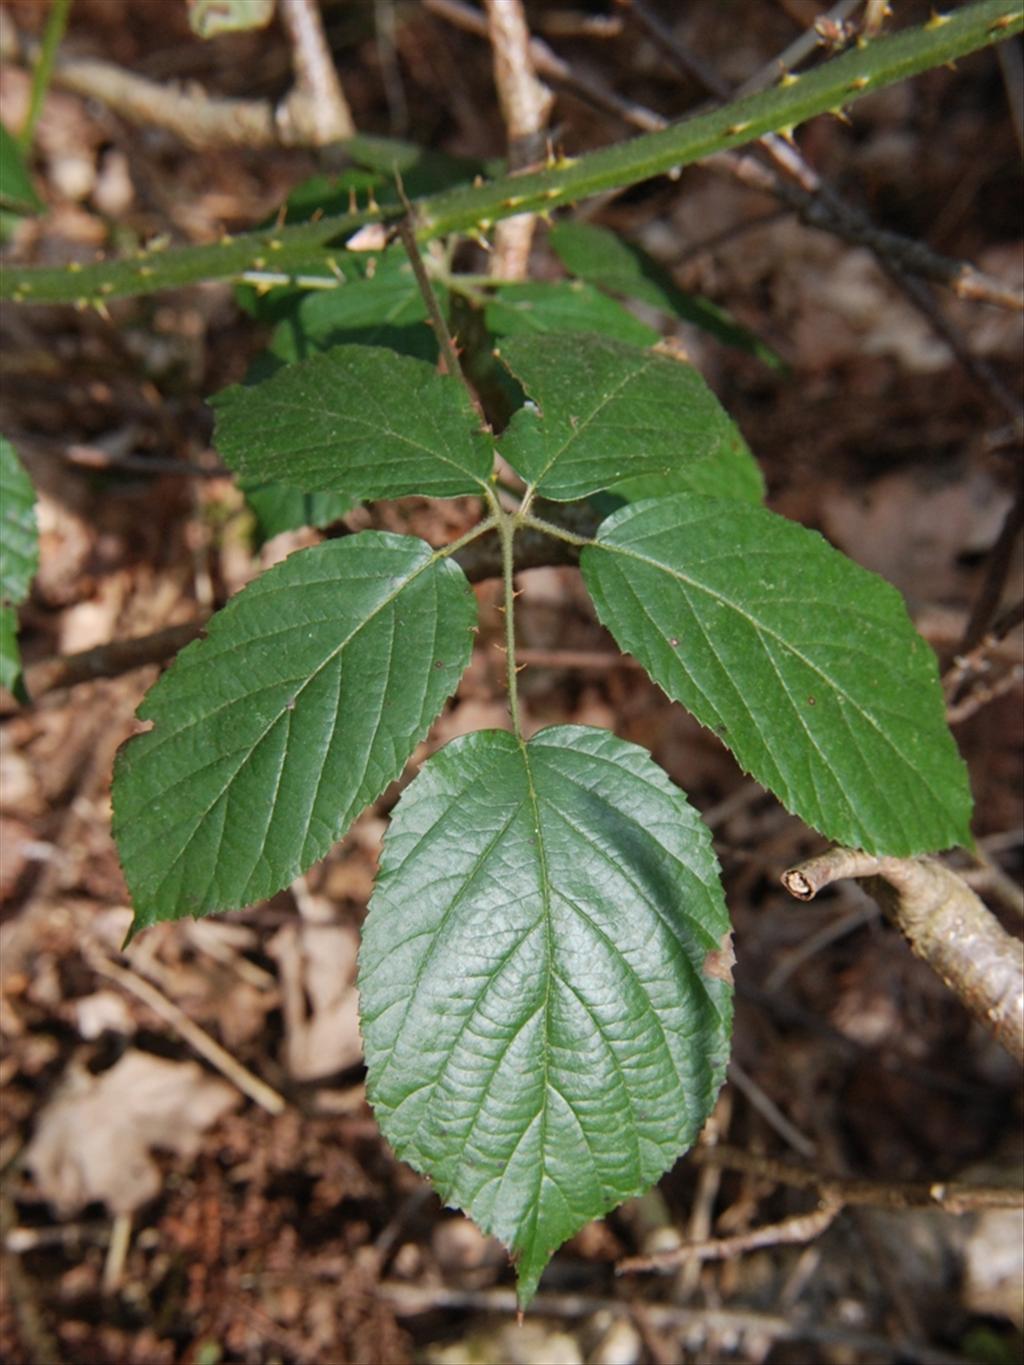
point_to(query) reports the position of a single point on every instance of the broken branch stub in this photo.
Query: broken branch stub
(944, 922)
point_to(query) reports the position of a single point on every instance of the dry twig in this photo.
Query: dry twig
(953, 1196)
(945, 924)
(802, 1227)
(525, 105)
(199, 119)
(264, 1095)
(408, 1300)
(316, 78)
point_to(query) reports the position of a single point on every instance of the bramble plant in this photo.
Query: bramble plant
(545, 971)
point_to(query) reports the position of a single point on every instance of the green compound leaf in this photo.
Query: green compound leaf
(562, 306)
(358, 420)
(607, 412)
(546, 999)
(604, 259)
(806, 665)
(19, 558)
(305, 700)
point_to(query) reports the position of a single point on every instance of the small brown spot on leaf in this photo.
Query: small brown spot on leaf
(719, 961)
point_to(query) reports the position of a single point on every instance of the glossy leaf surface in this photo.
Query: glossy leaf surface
(359, 420)
(604, 411)
(805, 665)
(305, 700)
(545, 1003)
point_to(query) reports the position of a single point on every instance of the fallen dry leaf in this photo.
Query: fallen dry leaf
(318, 965)
(94, 1139)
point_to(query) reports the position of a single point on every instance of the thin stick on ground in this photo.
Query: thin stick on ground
(241, 1077)
(408, 1300)
(802, 1227)
(769, 1110)
(953, 1196)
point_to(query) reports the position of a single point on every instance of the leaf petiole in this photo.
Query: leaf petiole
(549, 528)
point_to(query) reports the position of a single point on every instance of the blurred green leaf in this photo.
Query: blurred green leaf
(599, 256)
(16, 190)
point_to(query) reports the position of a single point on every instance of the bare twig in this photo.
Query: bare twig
(437, 319)
(408, 1300)
(199, 119)
(799, 49)
(953, 1196)
(709, 1182)
(316, 77)
(769, 1110)
(983, 695)
(553, 68)
(117, 1253)
(806, 197)
(525, 105)
(839, 928)
(945, 924)
(601, 659)
(110, 660)
(990, 877)
(802, 1227)
(826, 211)
(197, 1038)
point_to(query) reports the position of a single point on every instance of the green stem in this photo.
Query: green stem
(56, 23)
(474, 533)
(508, 523)
(829, 87)
(526, 518)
